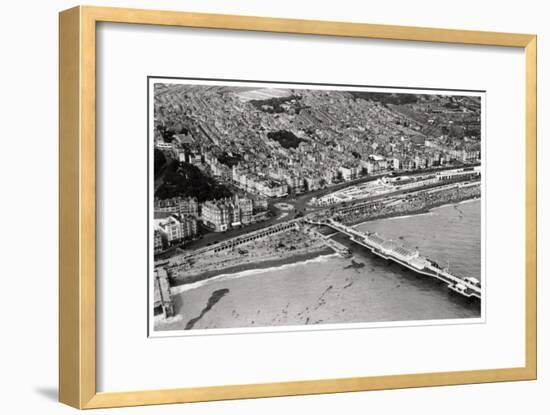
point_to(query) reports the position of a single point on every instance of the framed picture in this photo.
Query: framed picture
(255, 207)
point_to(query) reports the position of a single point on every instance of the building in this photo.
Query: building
(253, 183)
(246, 208)
(217, 215)
(259, 205)
(161, 145)
(396, 163)
(195, 159)
(221, 215)
(329, 176)
(176, 228)
(187, 206)
(471, 173)
(271, 188)
(189, 227)
(313, 183)
(349, 172)
(420, 162)
(158, 241)
(470, 156)
(295, 182)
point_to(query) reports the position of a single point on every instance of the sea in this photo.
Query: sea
(336, 290)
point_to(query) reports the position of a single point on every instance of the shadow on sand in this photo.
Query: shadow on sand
(214, 298)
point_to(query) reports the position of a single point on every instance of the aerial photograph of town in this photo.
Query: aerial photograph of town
(294, 205)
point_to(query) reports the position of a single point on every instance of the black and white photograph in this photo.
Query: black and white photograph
(270, 208)
(288, 205)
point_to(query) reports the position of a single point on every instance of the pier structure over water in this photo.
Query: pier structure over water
(411, 259)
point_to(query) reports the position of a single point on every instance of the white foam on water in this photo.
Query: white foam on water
(224, 277)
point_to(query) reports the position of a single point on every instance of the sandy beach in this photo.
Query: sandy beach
(257, 264)
(274, 250)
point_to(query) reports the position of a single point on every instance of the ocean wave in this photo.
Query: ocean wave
(428, 213)
(446, 205)
(257, 271)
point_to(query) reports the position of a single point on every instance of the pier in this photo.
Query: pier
(163, 296)
(411, 259)
(337, 247)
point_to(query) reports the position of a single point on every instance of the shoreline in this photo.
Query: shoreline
(330, 290)
(423, 211)
(256, 265)
(179, 289)
(300, 258)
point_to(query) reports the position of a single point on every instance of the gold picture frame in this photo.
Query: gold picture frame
(77, 213)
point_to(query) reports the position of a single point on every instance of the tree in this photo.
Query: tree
(159, 161)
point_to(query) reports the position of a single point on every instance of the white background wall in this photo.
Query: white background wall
(28, 211)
